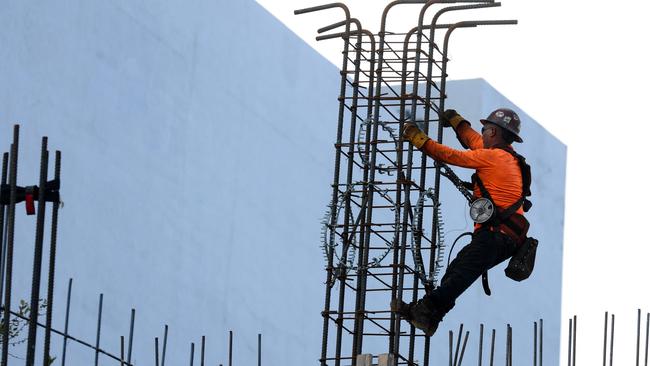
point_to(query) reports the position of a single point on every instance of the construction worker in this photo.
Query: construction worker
(498, 176)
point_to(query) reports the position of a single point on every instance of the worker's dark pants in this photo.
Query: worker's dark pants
(486, 250)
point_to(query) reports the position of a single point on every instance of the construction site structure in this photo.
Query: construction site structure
(382, 234)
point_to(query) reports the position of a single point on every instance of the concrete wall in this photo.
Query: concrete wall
(197, 157)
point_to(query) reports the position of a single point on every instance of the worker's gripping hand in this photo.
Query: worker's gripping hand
(414, 135)
(451, 118)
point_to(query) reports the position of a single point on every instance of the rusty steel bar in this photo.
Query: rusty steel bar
(156, 351)
(605, 341)
(480, 346)
(492, 347)
(164, 349)
(99, 328)
(131, 329)
(611, 344)
(3, 232)
(570, 337)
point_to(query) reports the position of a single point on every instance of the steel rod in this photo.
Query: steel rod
(3, 232)
(647, 333)
(570, 339)
(38, 258)
(492, 347)
(164, 349)
(460, 335)
(611, 343)
(131, 329)
(192, 354)
(156, 351)
(605, 341)
(480, 346)
(462, 351)
(67, 317)
(52, 264)
(535, 344)
(13, 172)
(541, 342)
(638, 336)
(99, 328)
(121, 350)
(259, 349)
(202, 350)
(575, 337)
(230, 349)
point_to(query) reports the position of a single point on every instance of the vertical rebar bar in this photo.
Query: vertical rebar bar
(335, 184)
(480, 346)
(202, 350)
(51, 268)
(460, 335)
(647, 333)
(575, 337)
(462, 351)
(638, 335)
(605, 341)
(132, 325)
(535, 344)
(494, 332)
(67, 317)
(38, 258)
(121, 350)
(3, 233)
(99, 328)
(192, 354)
(509, 346)
(541, 342)
(570, 339)
(11, 215)
(156, 350)
(451, 348)
(611, 344)
(230, 349)
(164, 350)
(259, 349)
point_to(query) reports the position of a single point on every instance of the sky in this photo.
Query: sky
(581, 69)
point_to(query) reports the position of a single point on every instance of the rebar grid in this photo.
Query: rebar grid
(382, 231)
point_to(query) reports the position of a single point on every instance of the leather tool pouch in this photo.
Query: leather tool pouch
(522, 263)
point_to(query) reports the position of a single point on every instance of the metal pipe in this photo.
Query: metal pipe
(99, 328)
(52, 263)
(128, 356)
(11, 215)
(38, 258)
(67, 317)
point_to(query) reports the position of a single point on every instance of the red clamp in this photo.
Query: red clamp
(29, 204)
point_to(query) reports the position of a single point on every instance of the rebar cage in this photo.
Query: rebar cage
(382, 233)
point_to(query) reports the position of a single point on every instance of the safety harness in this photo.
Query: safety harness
(508, 220)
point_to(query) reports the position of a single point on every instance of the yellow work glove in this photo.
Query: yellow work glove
(414, 135)
(451, 118)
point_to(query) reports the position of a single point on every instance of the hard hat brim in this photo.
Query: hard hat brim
(502, 125)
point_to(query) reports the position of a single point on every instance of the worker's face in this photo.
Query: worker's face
(490, 135)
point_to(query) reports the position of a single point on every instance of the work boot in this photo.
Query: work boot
(419, 314)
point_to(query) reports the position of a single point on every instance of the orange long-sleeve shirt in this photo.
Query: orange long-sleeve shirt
(498, 170)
